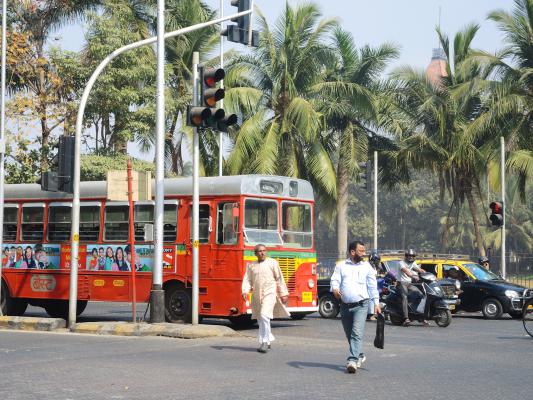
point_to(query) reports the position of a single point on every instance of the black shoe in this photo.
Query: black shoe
(263, 348)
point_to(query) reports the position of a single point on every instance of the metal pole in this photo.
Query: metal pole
(2, 137)
(195, 195)
(502, 170)
(79, 124)
(220, 134)
(157, 295)
(132, 243)
(251, 25)
(375, 200)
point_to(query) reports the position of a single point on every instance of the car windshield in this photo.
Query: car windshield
(481, 273)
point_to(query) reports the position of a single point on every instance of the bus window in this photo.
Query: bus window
(10, 222)
(116, 223)
(144, 214)
(228, 223)
(170, 218)
(59, 216)
(204, 223)
(89, 222)
(261, 222)
(32, 222)
(296, 225)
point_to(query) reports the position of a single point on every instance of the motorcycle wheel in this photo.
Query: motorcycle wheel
(443, 318)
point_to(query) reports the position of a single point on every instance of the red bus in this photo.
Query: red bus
(236, 213)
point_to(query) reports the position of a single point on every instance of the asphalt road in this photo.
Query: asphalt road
(471, 359)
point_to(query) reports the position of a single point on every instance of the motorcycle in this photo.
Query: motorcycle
(430, 307)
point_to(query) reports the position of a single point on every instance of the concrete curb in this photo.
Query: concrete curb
(32, 323)
(183, 331)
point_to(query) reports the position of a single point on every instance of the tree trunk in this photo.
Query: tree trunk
(342, 208)
(473, 211)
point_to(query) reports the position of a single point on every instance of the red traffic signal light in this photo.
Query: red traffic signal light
(209, 78)
(496, 217)
(198, 116)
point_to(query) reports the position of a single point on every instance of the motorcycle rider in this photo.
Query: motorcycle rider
(484, 262)
(408, 270)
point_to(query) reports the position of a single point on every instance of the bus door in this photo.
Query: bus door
(204, 239)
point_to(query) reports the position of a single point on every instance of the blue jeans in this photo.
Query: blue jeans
(353, 321)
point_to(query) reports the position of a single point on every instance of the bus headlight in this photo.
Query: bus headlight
(311, 283)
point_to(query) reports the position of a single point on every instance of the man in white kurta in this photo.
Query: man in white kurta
(269, 294)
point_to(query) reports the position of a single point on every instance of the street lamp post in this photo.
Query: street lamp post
(2, 136)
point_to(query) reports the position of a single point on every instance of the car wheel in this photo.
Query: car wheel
(328, 306)
(516, 314)
(443, 318)
(178, 304)
(492, 309)
(395, 319)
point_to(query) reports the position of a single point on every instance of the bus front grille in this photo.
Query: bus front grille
(288, 268)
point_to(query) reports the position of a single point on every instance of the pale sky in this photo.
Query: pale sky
(407, 23)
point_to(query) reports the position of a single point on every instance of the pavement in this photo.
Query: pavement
(120, 328)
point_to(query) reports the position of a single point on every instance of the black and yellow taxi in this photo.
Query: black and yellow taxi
(481, 289)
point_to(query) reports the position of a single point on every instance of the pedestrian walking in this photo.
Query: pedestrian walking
(269, 294)
(354, 283)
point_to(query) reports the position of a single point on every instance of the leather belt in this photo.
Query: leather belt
(359, 303)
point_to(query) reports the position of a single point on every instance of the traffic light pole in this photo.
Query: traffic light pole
(220, 133)
(375, 200)
(74, 234)
(195, 194)
(2, 136)
(502, 170)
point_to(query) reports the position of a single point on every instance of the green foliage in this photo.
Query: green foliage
(95, 167)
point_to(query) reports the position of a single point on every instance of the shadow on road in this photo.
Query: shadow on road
(238, 348)
(304, 364)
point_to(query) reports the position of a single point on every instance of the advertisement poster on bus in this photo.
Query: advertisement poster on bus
(31, 256)
(95, 257)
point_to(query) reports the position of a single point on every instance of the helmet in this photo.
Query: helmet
(482, 260)
(374, 257)
(410, 255)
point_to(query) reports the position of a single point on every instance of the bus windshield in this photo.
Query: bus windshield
(296, 225)
(261, 222)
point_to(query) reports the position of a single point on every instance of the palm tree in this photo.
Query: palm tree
(510, 82)
(271, 88)
(348, 100)
(440, 115)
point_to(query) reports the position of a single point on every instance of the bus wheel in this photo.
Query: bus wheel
(178, 304)
(11, 306)
(242, 321)
(59, 308)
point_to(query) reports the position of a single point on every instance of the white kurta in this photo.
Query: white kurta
(267, 284)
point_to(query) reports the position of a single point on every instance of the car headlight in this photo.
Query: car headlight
(311, 283)
(512, 293)
(458, 284)
(438, 290)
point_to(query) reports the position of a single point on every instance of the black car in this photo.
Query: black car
(328, 305)
(489, 293)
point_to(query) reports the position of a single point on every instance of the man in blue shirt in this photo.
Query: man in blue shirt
(354, 284)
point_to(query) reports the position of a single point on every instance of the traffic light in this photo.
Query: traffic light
(240, 33)
(496, 217)
(366, 175)
(206, 114)
(65, 171)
